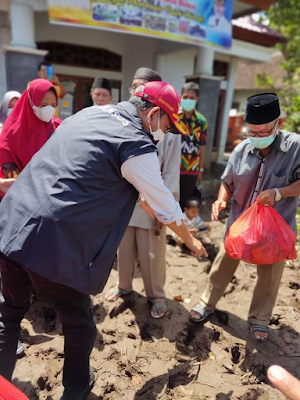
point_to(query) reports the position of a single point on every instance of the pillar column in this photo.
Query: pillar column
(227, 107)
(4, 40)
(22, 25)
(209, 91)
(205, 61)
(21, 56)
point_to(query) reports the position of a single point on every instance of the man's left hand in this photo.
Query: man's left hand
(267, 197)
(200, 176)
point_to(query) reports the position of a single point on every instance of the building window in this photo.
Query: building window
(81, 56)
(220, 68)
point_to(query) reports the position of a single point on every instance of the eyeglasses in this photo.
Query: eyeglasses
(249, 133)
(132, 89)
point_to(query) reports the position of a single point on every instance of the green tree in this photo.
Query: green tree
(264, 80)
(284, 17)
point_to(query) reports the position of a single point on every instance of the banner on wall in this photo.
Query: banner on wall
(190, 21)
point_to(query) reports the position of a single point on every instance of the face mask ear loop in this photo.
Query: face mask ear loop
(158, 123)
(31, 103)
(158, 119)
(275, 130)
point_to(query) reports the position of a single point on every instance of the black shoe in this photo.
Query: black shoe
(83, 395)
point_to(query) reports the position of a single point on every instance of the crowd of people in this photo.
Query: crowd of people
(59, 237)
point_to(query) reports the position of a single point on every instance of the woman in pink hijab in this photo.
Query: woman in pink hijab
(28, 127)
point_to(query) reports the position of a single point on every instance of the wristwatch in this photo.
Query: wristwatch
(277, 194)
(140, 200)
(201, 169)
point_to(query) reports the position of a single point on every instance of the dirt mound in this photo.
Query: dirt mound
(139, 358)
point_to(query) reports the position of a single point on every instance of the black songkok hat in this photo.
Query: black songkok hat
(262, 109)
(148, 74)
(102, 83)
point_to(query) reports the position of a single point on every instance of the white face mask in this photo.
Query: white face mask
(158, 135)
(43, 113)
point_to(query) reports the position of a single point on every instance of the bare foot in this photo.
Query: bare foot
(259, 332)
(195, 315)
(261, 335)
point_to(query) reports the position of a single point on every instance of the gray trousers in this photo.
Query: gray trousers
(143, 245)
(265, 291)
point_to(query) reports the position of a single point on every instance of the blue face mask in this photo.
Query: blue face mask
(188, 105)
(262, 142)
(8, 111)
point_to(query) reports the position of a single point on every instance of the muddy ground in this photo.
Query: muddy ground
(139, 358)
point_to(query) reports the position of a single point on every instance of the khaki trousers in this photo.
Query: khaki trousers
(265, 291)
(143, 245)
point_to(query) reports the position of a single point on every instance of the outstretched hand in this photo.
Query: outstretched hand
(217, 206)
(196, 247)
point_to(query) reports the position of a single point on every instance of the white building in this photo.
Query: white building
(80, 54)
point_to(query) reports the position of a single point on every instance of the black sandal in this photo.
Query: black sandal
(258, 328)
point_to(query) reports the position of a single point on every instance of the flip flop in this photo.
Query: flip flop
(258, 328)
(203, 312)
(114, 290)
(157, 308)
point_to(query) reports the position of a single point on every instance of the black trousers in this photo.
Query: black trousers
(74, 311)
(187, 187)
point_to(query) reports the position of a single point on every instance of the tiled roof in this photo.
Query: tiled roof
(246, 22)
(247, 71)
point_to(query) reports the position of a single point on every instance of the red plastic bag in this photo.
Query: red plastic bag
(260, 236)
(9, 391)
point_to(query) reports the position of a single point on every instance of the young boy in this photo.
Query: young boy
(193, 221)
(192, 144)
(192, 218)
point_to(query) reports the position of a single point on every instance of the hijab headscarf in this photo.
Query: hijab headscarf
(5, 103)
(23, 133)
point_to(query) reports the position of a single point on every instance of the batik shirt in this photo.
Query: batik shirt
(196, 127)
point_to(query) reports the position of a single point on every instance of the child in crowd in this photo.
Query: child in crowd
(192, 218)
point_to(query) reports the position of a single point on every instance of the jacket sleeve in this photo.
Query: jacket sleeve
(143, 172)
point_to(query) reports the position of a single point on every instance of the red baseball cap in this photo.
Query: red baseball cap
(163, 95)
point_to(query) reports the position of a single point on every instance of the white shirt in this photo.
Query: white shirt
(143, 172)
(194, 223)
(169, 156)
(219, 24)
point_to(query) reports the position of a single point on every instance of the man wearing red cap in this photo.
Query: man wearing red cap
(59, 231)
